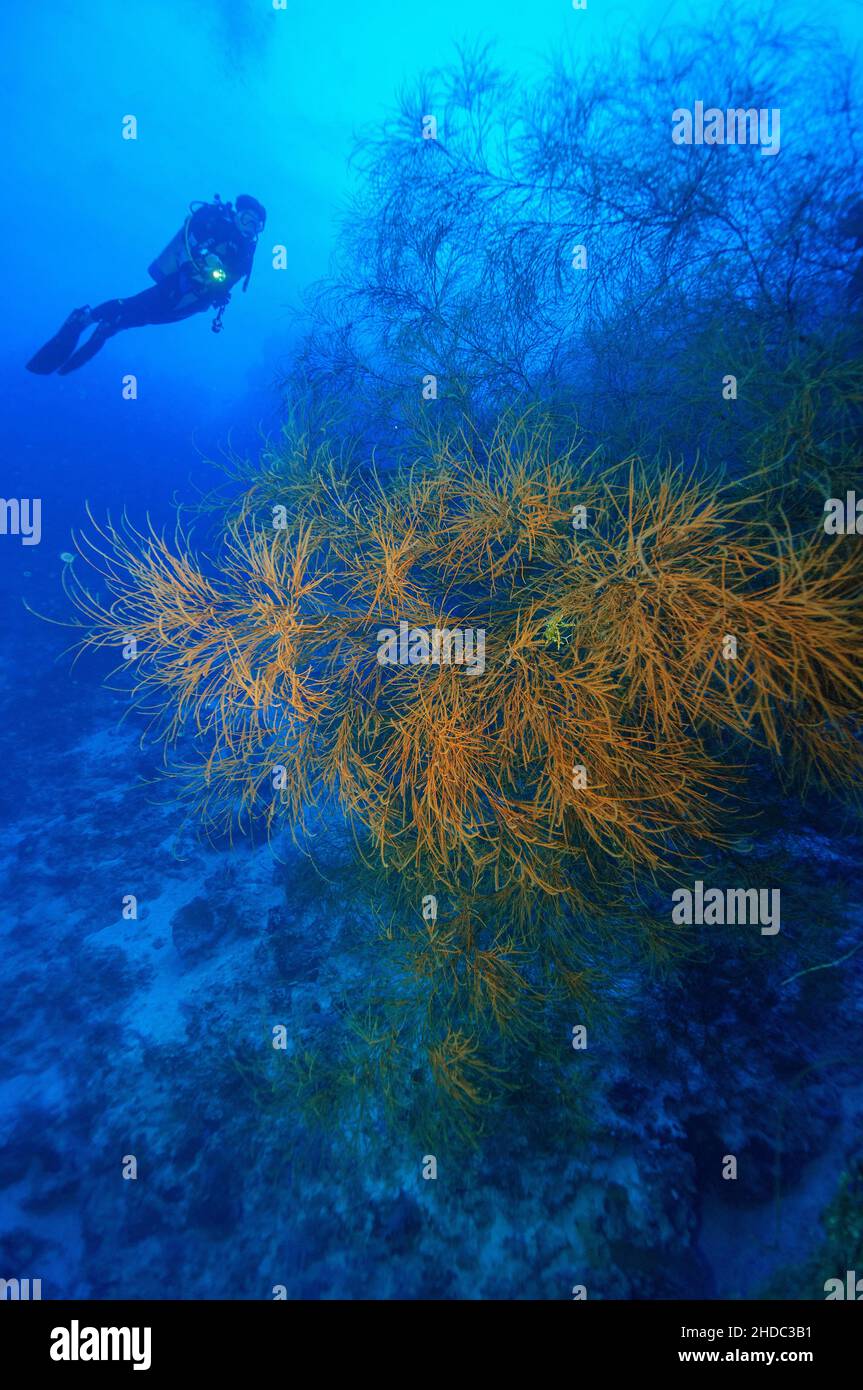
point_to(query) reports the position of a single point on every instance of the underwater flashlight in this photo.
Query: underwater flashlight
(209, 267)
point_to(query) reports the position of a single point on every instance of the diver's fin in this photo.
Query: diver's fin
(54, 353)
(85, 351)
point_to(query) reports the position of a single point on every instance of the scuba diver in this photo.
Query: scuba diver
(213, 250)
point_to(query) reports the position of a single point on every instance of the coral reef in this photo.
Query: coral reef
(644, 636)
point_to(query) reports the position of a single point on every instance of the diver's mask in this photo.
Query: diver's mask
(249, 223)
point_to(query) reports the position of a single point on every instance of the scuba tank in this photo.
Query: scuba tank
(173, 256)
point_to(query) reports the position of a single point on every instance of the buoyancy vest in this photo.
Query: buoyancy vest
(210, 249)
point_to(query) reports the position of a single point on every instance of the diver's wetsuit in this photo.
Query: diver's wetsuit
(164, 303)
(177, 295)
(174, 299)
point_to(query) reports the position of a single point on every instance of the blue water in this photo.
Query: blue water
(122, 1037)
